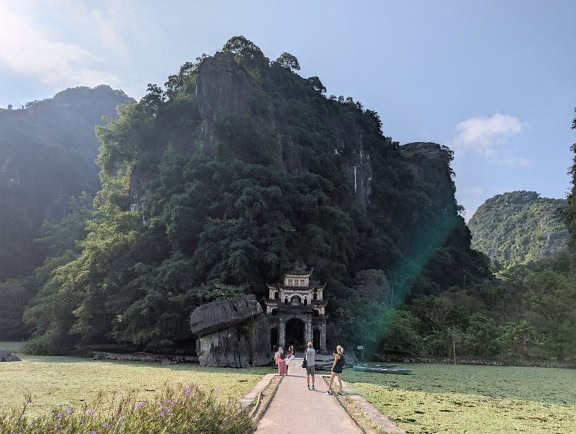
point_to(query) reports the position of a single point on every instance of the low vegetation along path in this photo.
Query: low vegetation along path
(295, 409)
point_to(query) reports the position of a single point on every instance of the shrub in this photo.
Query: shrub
(188, 410)
(401, 334)
(483, 337)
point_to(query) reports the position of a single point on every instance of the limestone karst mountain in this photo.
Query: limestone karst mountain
(47, 153)
(238, 167)
(518, 227)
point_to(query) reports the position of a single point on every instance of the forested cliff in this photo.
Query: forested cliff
(221, 180)
(519, 227)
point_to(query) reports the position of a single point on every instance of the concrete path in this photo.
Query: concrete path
(297, 410)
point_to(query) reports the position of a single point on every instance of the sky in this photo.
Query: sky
(493, 80)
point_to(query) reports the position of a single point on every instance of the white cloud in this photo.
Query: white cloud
(488, 137)
(27, 50)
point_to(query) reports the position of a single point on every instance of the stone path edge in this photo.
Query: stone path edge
(251, 397)
(372, 414)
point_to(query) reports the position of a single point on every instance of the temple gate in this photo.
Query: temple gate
(296, 310)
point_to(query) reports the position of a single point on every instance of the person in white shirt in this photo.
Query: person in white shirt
(310, 365)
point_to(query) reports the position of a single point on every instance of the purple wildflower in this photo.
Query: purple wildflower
(217, 389)
(169, 401)
(162, 413)
(81, 421)
(121, 419)
(30, 401)
(105, 424)
(188, 389)
(68, 409)
(140, 405)
(92, 432)
(89, 412)
(59, 416)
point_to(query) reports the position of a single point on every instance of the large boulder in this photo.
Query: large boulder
(5, 356)
(231, 333)
(221, 315)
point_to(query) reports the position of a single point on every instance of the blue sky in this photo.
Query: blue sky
(494, 80)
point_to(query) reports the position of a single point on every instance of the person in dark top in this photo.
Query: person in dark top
(337, 367)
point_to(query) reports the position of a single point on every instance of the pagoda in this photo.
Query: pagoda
(296, 310)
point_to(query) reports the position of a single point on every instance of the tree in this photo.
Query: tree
(553, 296)
(570, 214)
(316, 84)
(240, 46)
(288, 61)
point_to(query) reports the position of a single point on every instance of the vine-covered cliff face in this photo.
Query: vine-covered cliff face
(238, 167)
(47, 153)
(519, 227)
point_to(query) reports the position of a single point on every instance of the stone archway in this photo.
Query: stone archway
(295, 333)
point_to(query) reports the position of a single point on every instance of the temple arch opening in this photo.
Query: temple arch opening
(295, 333)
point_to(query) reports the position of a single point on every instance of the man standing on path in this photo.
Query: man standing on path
(310, 364)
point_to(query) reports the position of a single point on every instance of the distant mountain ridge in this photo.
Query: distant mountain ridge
(518, 227)
(47, 153)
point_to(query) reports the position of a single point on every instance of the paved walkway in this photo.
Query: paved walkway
(297, 410)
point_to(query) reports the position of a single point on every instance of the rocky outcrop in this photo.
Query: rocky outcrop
(231, 333)
(553, 242)
(8, 357)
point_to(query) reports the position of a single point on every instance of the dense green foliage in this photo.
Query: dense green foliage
(529, 312)
(518, 227)
(211, 193)
(186, 410)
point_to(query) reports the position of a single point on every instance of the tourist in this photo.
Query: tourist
(337, 367)
(280, 359)
(309, 356)
(289, 357)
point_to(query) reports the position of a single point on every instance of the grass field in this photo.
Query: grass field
(59, 381)
(473, 399)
